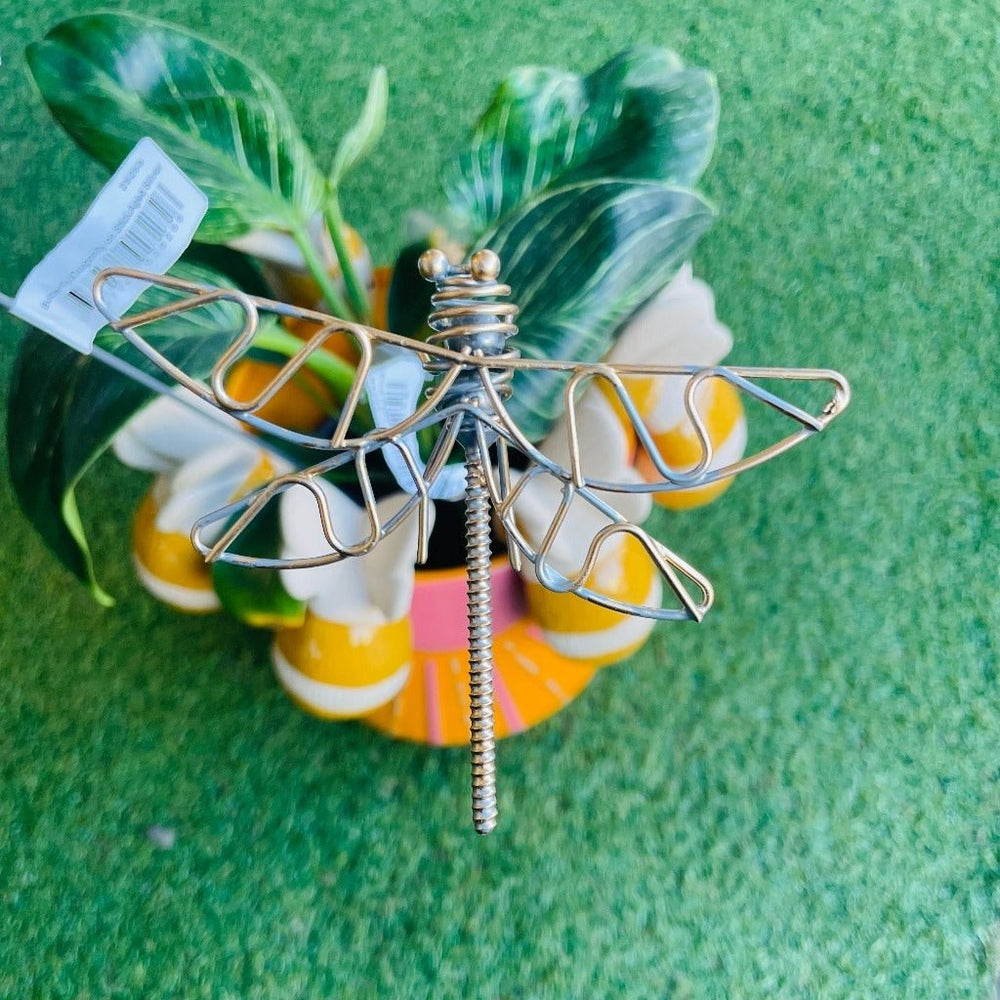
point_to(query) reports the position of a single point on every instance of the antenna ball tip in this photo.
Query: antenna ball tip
(433, 265)
(485, 265)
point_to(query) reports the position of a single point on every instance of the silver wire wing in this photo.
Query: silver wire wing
(365, 340)
(570, 464)
(216, 533)
(605, 531)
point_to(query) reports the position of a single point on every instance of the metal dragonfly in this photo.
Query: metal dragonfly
(469, 366)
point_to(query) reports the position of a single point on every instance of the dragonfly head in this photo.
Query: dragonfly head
(470, 317)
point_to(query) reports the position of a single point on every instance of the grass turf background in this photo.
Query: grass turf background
(798, 798)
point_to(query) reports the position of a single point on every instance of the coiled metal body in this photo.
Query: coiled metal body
(470, 317)
(482, 739)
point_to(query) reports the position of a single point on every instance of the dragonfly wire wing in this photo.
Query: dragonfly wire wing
(564, 453)
(217, 533)
(707, 467)
(559, 475)
(325, 329)
(549, 522)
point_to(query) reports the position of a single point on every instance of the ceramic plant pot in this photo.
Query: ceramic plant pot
(371, 638)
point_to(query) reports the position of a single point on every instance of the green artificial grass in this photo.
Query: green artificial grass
(797, 799)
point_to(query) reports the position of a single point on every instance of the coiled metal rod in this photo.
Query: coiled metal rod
(482, 739)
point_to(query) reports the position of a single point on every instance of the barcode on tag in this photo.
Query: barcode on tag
(393, 385)
(143, 218)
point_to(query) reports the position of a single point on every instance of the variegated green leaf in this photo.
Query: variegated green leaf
(110, 79)
(360, 139)
(257, 596)
(579, 262)
(65, 407)
(640, 116)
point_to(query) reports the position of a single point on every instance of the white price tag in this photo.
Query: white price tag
(143, 218)
(394, 385)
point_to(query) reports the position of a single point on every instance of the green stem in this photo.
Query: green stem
(316, 268)
(336, 225)
(337, 373)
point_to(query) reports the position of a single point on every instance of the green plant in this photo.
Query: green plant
(584, 185)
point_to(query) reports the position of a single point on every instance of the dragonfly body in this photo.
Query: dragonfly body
(469, 321)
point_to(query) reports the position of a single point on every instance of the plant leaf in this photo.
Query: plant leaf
(580, 261)
(110, 79)
(409, 302)
(360, 139)
(65, 407)
(640, 116)
(257, 596)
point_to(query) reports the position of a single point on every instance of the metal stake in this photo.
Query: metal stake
(482, 739)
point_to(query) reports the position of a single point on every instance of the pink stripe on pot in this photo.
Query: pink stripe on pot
(515, 724)
(435, 731)
(438, 609)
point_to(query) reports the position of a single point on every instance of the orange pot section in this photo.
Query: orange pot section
(532, 681)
